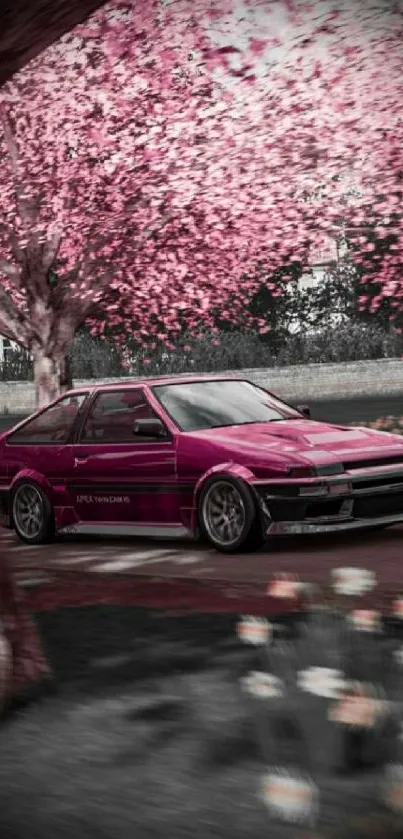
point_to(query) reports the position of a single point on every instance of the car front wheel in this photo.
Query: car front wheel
(228, 516)
(32, 514)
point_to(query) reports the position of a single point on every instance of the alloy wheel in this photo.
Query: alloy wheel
(224, 513)
(28, 512)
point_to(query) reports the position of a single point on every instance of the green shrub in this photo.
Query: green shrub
(92, 358)
(391, 424)
(207, 352)
(347, 342)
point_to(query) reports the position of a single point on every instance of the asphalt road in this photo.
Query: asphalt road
(153, 573)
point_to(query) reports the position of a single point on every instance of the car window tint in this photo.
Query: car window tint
(112, 417)
(54, 425)
(217, 403)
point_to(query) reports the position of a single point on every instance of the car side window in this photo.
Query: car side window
(112, 417)
(54, 425)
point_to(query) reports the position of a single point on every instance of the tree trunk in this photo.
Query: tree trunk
(66, 378)
(52, 376)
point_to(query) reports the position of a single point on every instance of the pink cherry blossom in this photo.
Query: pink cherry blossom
(143, 161)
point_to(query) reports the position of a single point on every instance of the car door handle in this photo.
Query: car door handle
(80, 458)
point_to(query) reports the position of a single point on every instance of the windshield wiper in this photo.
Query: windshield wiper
(285, 419)
(252, 422)
(231, 424)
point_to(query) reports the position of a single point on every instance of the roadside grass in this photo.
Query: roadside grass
(149, 736)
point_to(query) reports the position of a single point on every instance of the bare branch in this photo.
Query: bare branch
(26, 208)
(50, 250)
(13, 323)
(10, 271)
(154, 228)
(12, 147)
(18, 252)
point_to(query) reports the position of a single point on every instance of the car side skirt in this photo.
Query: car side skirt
(159, 531)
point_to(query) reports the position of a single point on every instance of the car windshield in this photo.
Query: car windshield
(194, 406)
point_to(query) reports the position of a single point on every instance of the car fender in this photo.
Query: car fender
(230, 469)
(35, 477)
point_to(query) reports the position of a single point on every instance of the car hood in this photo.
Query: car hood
(306, 440)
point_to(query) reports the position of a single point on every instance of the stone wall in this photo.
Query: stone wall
(294, 384)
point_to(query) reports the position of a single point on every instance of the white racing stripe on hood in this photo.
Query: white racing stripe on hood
(334, 436)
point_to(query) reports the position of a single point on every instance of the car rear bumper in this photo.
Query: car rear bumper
(289, 528)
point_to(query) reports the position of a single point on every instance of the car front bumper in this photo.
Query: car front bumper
(289, 528)
(357, 500)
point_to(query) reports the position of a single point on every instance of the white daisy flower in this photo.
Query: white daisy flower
(253, 630)
(322, 681)
(397, 608)
(290, 797)
(353, 581)
(263, 685)
(365, 620)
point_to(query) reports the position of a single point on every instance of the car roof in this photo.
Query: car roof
(152, 381)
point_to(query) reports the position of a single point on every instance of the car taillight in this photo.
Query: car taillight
(302, 472)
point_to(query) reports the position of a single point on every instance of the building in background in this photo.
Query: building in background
(7, 347)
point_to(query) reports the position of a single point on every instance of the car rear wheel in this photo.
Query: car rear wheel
(32, 514)
(228, 516)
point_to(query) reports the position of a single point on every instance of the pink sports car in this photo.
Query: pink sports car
(212, 456)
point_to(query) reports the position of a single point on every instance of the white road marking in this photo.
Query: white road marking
(33, 579)
(189, 559)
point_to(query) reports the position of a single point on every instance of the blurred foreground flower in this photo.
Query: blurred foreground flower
(322, 681)
(262, 685)
(393, 788)
(286, 586)
(290, 797)
(398, 655)
(397, 608)
(353, 581)
(366, 620)
(358, 709)
(6, 663)
(254, 630)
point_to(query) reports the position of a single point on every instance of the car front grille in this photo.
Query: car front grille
(378, 505)
(351, 465)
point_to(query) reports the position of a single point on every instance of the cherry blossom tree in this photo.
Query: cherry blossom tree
(158, 153)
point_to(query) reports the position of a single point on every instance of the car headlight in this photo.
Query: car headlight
(302, 472)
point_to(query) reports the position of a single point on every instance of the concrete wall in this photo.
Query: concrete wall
(294, 384)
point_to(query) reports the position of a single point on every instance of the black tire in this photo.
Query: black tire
(40, 504)
(250, 536)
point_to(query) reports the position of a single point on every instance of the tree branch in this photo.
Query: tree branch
(10, 271)
(154, 228)
(25, 208)
(50, 250)
(13, 324)
(12, 147)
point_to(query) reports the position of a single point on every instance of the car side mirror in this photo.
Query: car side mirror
(152, 427)
(305, 410)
